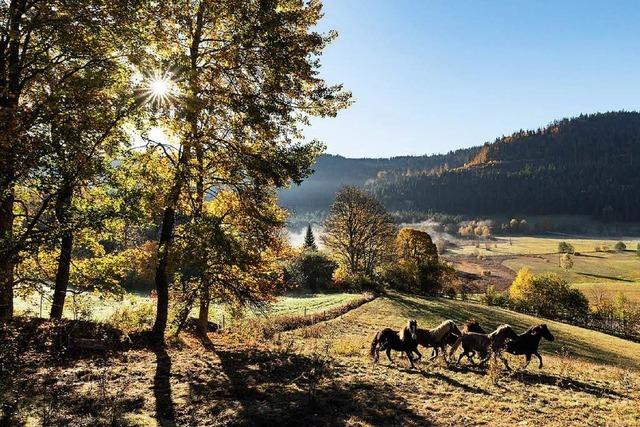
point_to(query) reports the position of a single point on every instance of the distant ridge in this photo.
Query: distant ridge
(588, 165)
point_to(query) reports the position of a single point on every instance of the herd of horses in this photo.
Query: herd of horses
(473, 339)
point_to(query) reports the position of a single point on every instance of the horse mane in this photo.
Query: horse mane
(405, 334)
(500, 330)
(439, 331)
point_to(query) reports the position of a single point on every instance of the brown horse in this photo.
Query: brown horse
(388, 339)
(438, 337)
(482, 344)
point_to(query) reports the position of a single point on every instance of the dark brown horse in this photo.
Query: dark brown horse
(527, 343)
(388, 339)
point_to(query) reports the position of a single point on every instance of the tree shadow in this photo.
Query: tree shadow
(165, 411)
(602, 276)
(564, 383)
(265, 387)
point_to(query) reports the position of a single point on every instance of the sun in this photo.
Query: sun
(160, 88)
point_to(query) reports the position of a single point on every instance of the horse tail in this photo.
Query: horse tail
(374, 346)
(455, 346)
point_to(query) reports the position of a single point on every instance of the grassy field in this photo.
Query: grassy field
(533, 245)
(321, 375)
(596, 273)
(101, 310)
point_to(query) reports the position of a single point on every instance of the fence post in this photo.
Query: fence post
(305, 311)
(222, 321)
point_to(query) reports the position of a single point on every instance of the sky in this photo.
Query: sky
(432, 76)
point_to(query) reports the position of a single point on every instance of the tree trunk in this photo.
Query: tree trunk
(63, 210)
(162, 275)
(203, 314)
(7, 257)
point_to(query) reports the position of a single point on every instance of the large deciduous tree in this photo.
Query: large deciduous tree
(43, 44)
(247, 77)
(359, 231)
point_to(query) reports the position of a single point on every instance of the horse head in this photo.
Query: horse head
(474, 326)
(543, 331)
(412, 325)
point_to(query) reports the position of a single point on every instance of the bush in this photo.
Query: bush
(493, 297)
(311, 270)
(547, 295)
(620, 247)
(133, 315)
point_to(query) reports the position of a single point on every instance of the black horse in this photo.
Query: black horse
(527, 343)
(388, 339)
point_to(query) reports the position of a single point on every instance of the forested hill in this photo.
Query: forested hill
(585, 165)
(332, 172)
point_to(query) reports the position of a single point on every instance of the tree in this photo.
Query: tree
(566, 262)
(312, 270)
(415, 246)
(247, 78)
(38, 54)
(359, 232)
(565, 248)
(309, 240)
(620, 247)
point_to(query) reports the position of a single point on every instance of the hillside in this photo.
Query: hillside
(585, 166)
(332, 172)
(322, 375)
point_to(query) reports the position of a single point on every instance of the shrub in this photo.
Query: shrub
(547, 295)
(620, 247)
(638, 249)
(133, 315)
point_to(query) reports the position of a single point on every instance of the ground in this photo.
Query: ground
(321, 375)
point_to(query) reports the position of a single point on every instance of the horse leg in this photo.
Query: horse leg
(504, 360)
(470, 357)
(444, 355)
(526, 363)
(388, 351)
(434, 353)
(410, 358)
(460, 357)
(539, 358)
(418, 353)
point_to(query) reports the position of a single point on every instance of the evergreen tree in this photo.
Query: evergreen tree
(309, 240)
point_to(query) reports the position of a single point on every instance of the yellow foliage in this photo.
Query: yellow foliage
(522, 285)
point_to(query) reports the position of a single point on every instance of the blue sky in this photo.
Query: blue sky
(431, 76)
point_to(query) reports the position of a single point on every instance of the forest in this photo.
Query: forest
(143, 148)
(582, 166)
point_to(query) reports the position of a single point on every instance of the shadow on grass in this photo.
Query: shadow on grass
(564, 383)
(602, 276)
(282, 387)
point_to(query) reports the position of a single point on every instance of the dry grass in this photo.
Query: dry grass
(321, 375)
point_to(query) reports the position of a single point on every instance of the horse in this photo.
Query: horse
(450, 338)
(437, 337)
(388, 339)
(482, 344)
(527, 343)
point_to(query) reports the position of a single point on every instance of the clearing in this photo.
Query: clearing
(321, 375)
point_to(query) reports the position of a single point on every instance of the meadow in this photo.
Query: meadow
(322, 375)
(102, 310)
(597, 273)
